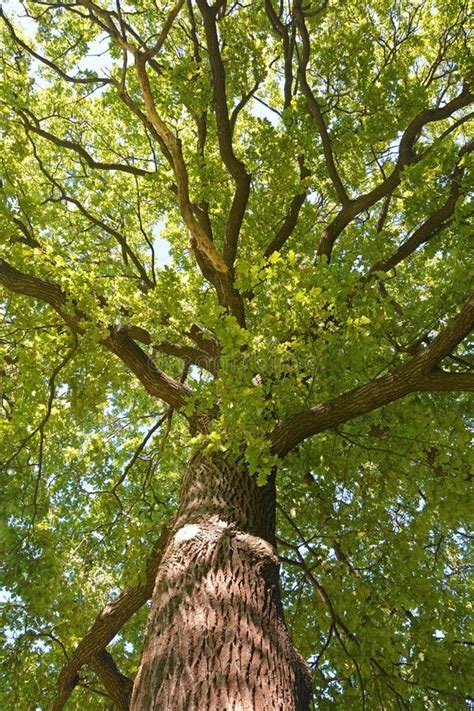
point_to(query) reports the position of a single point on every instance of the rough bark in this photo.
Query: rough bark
(216, 637)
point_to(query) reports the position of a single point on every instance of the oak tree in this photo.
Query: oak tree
(234, 272)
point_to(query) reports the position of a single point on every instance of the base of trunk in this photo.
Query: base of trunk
(216, 639)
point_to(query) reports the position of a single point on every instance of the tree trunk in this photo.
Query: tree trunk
(216, 639)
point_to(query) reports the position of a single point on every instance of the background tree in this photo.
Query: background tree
(300, 355)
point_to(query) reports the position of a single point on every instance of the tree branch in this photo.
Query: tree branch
(200, 240)
(79, 150)
(189, 354)
(29, 285)
(156, 382)
(289, 223)
(406, 156)
(432, 225)
(224, 133)
(446, 340)
(288, 42)
(213, 266)
(174, 12)
(314, 107)
(106, 625)
(420, 374)
(101, 81)
(147, 283)
(443, 381)
(118, 686)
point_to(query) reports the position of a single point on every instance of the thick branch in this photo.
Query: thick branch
(79, 150)
(118, 686)
(406, 156)
(189, 354)
(442, 381)
(446, 340)
(426, 231)
(235, 166)
(288, 42)
(430, 227)
(420, 374)
(200, 240)
(314, 107)
(289, 223)
(101, 81)
(29, 285)
(167, 140)
(156, 382)
(210, 261)
(106, 625)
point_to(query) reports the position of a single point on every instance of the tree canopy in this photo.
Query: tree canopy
(242, 227)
